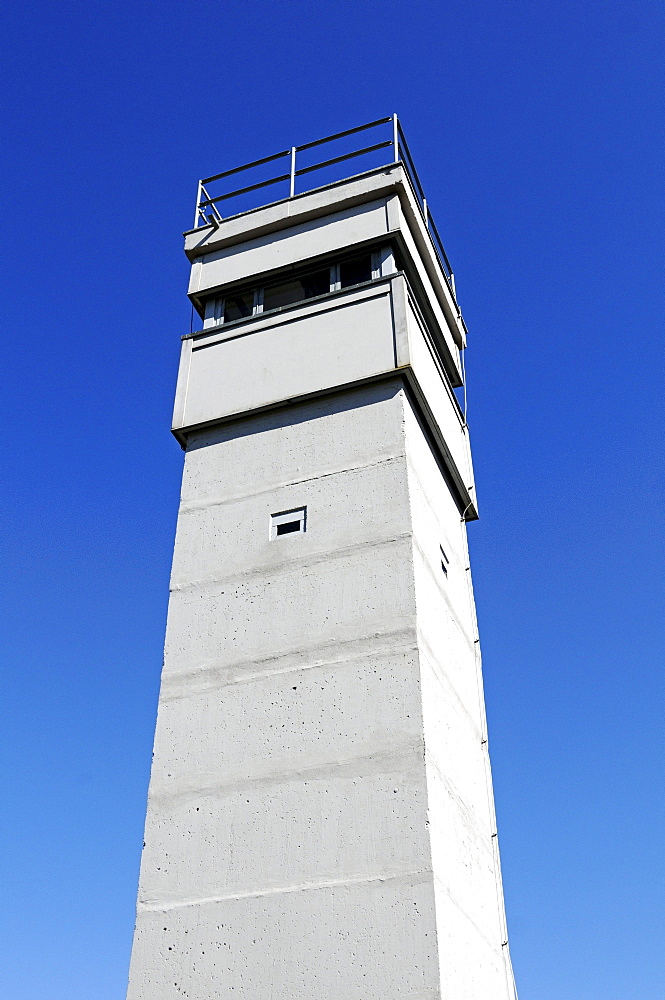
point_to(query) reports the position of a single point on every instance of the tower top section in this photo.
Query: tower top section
(290, 166)
(300, 171)
(341, 281)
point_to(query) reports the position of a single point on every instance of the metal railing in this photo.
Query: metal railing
(207, 211)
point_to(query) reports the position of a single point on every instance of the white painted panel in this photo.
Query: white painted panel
(437, 394)
(293, 245)
(291, 358)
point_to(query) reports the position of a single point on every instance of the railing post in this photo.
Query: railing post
(293, 172)
(395, 139)
(196, 210)
(452, 284)
(425, 213)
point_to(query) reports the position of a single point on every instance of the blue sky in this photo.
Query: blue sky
(537, 130)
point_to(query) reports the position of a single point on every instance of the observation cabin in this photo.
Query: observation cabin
(327, 288)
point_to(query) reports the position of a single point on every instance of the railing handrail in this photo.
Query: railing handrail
(245, 166)
(298, 149)
(405, 146)
(342, 135)
(401, 154)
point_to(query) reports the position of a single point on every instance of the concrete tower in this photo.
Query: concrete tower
(320, 818)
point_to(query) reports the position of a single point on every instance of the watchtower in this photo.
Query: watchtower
(320, 817)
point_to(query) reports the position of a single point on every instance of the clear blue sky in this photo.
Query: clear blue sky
(537, 129)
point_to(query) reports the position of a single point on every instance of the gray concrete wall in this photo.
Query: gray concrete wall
(297, 841)
(287, 849)
(469, 901)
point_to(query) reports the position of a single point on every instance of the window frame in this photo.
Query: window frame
(284, 519)
(382, 264)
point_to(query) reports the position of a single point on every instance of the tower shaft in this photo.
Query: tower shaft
(320, 818)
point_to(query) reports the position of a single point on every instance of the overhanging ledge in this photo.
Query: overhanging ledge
(463, 495)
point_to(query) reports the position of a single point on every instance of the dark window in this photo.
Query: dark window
(238, 306)
(355, 271)
(289, 526)
(296, 289)
(316, 283)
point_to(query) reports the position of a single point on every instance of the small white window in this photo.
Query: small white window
(383, 263)
(376, 264)
(288, 521)
(214, 312)
(444, 561)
